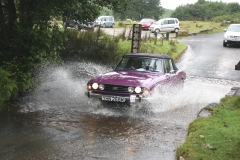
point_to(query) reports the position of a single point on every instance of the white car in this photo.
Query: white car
(232, 35)
(165, 25)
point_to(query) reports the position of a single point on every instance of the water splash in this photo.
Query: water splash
(64, 88)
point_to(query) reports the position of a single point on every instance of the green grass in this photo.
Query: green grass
(197, 26)
(216, 136)
(171, 47)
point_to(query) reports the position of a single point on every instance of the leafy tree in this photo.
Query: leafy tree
(30, 36)
(205, 10)
(137, 10)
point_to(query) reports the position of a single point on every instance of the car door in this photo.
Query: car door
(164, 25)
(171, 25)
(107, 22)
(170, 73)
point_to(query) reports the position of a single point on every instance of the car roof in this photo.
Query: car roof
(163, 56)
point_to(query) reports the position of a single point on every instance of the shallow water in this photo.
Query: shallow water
(58, 121)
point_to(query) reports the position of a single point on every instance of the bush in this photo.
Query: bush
(94, 46)
(8, 87)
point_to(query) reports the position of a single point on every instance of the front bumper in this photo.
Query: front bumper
(128, 99)
(231, 41)
(151, 29)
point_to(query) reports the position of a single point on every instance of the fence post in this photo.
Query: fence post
(167, 36)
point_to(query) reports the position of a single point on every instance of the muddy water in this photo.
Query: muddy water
(58, 121)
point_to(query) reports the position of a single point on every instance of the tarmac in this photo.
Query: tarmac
(235, 91)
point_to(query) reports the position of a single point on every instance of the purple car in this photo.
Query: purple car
(136, 77)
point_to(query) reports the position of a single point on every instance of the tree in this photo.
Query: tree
(137, 10)
(205, 10)
(29, 36)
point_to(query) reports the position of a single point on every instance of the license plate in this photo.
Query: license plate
(113, 98)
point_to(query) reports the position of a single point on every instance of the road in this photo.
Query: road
(57, 121)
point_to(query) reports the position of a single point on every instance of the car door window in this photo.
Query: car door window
(165, 22)
(168, 66)
(171, 21)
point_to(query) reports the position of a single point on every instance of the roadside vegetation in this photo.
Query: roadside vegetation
(107, 49)
(216, 136)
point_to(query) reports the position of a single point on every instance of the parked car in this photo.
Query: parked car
(135, 78)
(146, 23)
(104, 21)
(73, 24)
(232, 35)
(166, 25)
(77, 25)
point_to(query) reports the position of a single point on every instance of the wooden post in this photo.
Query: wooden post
(136, 38)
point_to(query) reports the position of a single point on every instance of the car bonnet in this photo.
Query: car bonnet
(127, 78)
(229, 33)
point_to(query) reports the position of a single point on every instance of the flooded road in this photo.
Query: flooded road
(58, 121)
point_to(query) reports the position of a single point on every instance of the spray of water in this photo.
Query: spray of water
(65, 87)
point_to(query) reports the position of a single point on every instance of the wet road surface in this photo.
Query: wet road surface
(57, 121)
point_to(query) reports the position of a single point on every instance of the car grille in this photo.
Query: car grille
(116, 88)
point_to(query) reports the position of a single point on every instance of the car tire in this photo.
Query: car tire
(157, 30)
(224, 44)
(104, 25)
(176, 30)
(113, 25)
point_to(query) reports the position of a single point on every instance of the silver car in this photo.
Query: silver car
(232, 35)
(165, 25)
(104, 21)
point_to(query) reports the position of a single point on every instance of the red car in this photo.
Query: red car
(146, 23)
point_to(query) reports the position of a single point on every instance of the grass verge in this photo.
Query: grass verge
(216, 136)
(172, 48)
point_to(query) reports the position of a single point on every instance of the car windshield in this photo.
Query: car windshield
(140, 64)
(234, 28)
(158, 22)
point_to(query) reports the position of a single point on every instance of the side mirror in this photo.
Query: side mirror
(172, 72)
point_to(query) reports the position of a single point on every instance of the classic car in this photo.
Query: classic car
(136, 77)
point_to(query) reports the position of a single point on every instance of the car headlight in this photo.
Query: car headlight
(138, 90)
(101, 86)
(95, 86)
(130, 89)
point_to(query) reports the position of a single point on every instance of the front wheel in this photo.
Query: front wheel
(176, 30)
(157, 30)
(104, 25)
